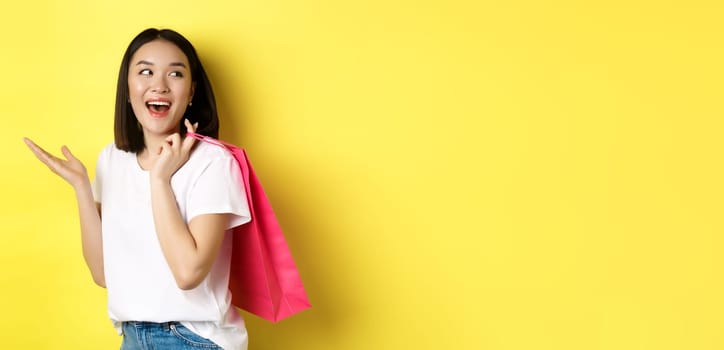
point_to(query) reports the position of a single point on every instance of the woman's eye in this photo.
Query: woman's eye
(177, 74)
(145, 72)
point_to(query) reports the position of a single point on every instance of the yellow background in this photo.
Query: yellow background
(449, 174)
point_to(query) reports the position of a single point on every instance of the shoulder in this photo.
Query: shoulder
(111, 150)
(210, 162)
(205, 153)
(111, 154)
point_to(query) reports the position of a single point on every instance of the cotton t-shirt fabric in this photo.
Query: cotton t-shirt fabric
(139, 281)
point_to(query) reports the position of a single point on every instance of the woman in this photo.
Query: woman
(155, 223)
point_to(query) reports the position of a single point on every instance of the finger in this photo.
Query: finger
(188, 144)
(68, 155)
(33, 147)
(189, 127)
(40, 153)
(175, 141)
(165, 148)
(168, 141)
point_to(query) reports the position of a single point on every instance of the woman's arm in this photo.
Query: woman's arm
(190, 250)
(90, 233)
(74, 172)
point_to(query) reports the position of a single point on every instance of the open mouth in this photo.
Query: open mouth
(158, 107)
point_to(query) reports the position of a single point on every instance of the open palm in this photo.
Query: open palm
(70, 169)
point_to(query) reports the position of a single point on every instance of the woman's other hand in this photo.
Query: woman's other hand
(173, 154)
(70, 169)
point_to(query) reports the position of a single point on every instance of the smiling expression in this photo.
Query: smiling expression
(159, 86)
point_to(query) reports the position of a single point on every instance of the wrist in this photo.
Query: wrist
(83, 189)
(81, 184)
(160, 181)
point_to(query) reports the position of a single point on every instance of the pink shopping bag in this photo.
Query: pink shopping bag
(264, 279)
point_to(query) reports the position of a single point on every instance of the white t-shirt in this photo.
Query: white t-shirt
(139, 281)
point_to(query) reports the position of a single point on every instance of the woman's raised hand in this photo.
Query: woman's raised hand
(173, 154)
(70, 169)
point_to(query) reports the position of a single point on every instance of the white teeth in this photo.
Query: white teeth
(158, 103)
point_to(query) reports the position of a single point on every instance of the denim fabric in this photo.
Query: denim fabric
(162, 336)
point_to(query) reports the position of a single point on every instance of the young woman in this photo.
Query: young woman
(155, 222)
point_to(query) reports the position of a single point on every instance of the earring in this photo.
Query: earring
(190, 103)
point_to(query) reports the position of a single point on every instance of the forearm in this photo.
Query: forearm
(90, 228)
(177, 243)
(74, 172)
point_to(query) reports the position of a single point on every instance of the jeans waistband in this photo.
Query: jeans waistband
(150, 325)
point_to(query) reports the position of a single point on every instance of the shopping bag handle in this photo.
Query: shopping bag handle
(207, 139)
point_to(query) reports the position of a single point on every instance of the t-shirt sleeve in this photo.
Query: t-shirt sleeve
(219, 190)
(97, 184)
(95, 188)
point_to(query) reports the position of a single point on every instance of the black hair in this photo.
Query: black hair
(128, 134)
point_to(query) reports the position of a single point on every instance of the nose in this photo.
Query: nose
(160, 86)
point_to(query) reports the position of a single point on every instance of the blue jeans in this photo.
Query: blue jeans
(162, 336)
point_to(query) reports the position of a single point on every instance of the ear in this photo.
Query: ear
(191, 93)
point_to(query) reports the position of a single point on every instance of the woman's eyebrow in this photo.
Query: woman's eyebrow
(173, 64)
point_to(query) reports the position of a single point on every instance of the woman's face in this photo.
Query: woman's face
(159, 87)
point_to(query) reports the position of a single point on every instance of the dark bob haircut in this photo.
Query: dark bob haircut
(128, 134)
